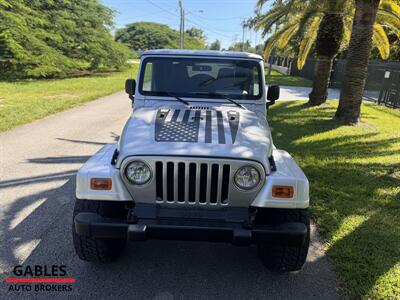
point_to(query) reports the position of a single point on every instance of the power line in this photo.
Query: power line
(218, 19)
(136, 17)
(215, 29)
(207, 28)
(188, 20)
(162, 8)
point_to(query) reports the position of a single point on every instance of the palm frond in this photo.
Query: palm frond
(381, 41)
(282, 9)
(390, 21)
(260, 4)
(307, 15)
(270, 44)
(339, 6)
(285, 32)
(308, 40)
(265, 22)
(391, 6)
(348, 23)
(285, 37)
(389, 15)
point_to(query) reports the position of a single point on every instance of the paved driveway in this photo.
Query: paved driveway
(38, 162)
(301, 93)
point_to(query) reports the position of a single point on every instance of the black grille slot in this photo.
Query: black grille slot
(159, 180)
(192, 183)
(225, 184)
(214, 183)
(199, 107)
(203, 183)
(170, 182)
(181, 182)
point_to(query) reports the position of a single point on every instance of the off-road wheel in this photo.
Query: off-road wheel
(284, 257)
(98, 250)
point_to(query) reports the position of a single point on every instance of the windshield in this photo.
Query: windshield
(201, 78)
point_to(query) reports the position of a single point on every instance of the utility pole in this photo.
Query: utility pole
(272, 54)
(274, 49)
(244, 26)
(182, 25)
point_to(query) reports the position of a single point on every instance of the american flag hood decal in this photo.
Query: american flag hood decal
(218, 131)
(196, 126)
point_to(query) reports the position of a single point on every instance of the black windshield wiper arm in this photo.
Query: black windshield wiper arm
(178, 98)
(232, 101)
(223, 96)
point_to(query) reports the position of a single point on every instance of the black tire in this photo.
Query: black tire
(281, 257)
(98, 250)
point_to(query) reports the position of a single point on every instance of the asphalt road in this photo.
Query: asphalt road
(38, 163)
(290, 93)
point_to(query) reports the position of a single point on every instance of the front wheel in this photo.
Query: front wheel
(282, 257)
(94, 249)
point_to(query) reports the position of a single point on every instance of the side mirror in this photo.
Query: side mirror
(130, 86)
(273, 94)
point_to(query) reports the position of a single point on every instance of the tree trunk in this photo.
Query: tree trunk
(329, 39)
(321, 80)
(356, 67)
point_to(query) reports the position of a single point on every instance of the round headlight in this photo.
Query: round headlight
(138, 172)
(247, 178)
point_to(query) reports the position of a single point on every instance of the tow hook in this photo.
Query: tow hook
(131, 218)
(252, 216)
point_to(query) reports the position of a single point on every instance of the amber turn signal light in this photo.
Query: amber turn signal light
(279, 191)
(104, 184)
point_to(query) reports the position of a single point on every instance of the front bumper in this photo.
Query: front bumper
(95, 226)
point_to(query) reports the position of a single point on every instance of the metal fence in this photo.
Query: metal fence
(382, 84)
(281, 64)
(390, 91)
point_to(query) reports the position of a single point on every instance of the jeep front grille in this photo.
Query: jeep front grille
(192, 182)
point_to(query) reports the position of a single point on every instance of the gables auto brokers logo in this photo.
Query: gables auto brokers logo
(40, 278)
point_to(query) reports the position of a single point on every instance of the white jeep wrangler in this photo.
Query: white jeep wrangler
(195, 161)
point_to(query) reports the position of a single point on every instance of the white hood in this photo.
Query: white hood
(224, 132)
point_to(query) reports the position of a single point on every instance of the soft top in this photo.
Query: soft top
(208, 53)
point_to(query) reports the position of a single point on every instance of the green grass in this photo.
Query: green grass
(280, 79)
(354, 174)
(25, 101)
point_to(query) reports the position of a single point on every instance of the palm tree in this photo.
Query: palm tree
(320, 23)
(362, 36)
(327, 25)
(329, 39)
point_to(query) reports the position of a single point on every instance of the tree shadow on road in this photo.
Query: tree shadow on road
(27, 219)
(158, 269)
(59, 160)
(113, 135)
(36, 230)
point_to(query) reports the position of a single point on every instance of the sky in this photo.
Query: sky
(219, 19)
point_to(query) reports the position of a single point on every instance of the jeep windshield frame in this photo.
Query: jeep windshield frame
(201, 77)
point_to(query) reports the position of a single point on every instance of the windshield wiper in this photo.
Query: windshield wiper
(223, 96)
(232, 101)
(178, 98)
